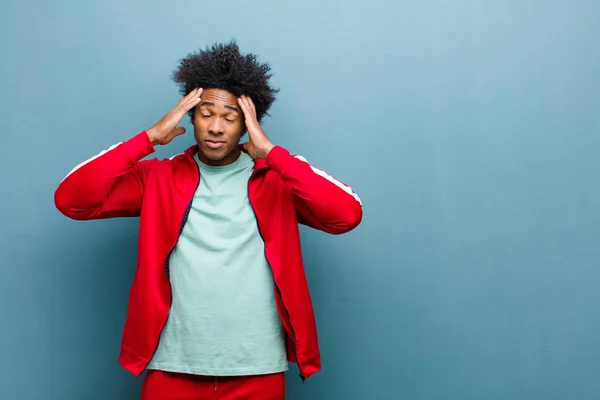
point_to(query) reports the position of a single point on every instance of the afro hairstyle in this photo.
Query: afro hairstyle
(222, 66)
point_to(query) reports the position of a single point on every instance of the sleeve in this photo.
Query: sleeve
(110, 184)
(322, 202)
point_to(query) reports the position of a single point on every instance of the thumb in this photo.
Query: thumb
(180, 130)
(246, 146)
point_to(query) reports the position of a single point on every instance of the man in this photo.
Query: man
(219, 302)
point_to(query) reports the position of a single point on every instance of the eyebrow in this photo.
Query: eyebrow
(208, 103)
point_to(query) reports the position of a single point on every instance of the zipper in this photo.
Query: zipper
(166, 264)
(301, 375)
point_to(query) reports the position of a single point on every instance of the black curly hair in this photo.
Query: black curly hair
(222, 66)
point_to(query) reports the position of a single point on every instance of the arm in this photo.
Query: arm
(112, 183)
(321, 201)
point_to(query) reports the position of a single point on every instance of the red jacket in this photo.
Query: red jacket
(284, 190)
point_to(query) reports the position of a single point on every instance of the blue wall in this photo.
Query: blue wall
(470, 129)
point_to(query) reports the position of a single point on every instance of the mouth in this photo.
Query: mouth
(214, 144)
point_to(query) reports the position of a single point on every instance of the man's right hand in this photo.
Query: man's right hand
(166, 129)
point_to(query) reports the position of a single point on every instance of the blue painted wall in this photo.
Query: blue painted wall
(470, 129)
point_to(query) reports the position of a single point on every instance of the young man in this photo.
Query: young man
(219, 302)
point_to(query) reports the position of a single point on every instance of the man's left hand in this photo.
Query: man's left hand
(258, 145)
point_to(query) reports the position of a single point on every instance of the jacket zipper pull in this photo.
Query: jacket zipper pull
(302, 377)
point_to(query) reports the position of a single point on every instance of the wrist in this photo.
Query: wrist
(152, 136)
(268, 149)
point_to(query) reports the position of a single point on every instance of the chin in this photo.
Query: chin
(216, 154)
(213, 155)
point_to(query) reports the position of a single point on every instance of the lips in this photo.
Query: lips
(214, 144)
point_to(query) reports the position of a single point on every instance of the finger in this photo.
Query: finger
(248, 109)
(187, 96)
(243, 105)
(178, 131)
(251, 104)
(193, 95)
(187, 106)
(251, 107)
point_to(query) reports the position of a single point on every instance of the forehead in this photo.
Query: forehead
(219, 97)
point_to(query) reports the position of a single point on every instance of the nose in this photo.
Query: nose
(216, 126)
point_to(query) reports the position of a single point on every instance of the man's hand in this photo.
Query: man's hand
(259, 144)
(166, 129)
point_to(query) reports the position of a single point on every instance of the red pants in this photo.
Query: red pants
(160, 385)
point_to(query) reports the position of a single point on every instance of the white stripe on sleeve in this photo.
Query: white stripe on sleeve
(331, 179)
(103, 152)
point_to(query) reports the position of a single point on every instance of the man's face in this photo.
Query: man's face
(218, 126)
